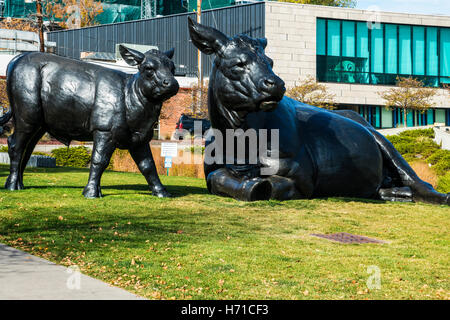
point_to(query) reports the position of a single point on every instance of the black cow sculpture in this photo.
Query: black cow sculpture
(321, 153)
(74, 100)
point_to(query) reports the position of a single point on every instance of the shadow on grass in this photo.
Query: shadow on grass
(176, 191)
(122, 229)
(361, 200)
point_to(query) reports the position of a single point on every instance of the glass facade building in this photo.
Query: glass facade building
(376, 54)
(366, 53)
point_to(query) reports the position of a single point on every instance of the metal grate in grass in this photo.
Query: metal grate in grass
(345, 237)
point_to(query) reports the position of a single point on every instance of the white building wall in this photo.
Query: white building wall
(4, 61)
(291, 35)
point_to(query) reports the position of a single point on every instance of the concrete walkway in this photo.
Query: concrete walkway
(26, 277)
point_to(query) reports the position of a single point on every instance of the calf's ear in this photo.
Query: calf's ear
(170, 53)
(208, 40)
(132, 57)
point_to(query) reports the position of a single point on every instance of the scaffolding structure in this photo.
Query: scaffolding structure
(149, 9)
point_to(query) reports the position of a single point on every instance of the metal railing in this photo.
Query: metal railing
(13, 41)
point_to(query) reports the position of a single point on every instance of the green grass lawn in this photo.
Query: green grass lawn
(200, 246)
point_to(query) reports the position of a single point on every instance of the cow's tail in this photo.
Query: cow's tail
(6, 117)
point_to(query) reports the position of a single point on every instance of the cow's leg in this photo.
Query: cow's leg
(222, 182)
(101, 155)
(403, 194)
(142, 155)
(283, 188)
(29, 150)
(18, 143)
(421, 190)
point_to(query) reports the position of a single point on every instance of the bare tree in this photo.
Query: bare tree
(198, 107)
(310, 92)
(409, 94)
(73, 13)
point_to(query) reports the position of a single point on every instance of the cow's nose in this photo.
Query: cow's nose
(272, 84)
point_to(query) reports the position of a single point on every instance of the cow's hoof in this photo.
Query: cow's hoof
(13, 184)
(255, 189)
(92, 192)
(161, 193)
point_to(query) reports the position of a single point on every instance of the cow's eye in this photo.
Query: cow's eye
(149, 69)
(238, 67)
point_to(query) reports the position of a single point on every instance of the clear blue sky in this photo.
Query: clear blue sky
(441, 7)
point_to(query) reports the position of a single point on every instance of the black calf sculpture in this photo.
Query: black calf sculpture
(74, 100)
(321, 153)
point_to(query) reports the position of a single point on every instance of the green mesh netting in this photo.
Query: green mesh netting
(113, 10)
(113, 13)
(121, 10)
(18, 8)
(210, 4)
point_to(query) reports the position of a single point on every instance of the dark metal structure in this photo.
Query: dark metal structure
(75, 100)
(164, 32)
(317, 153)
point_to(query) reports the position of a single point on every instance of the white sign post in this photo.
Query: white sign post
(168, 151)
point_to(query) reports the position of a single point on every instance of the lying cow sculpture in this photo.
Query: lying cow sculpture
(321, 153)
(74, 100)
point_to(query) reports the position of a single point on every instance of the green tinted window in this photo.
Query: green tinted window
(348, 38)
(404, 43)
(432, 52)
(391, 49)
(445, 55)
(320, 35)
(334, 38)
(353, 52)
(377, 51)
(419, 50)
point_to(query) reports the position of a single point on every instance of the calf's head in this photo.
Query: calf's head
(242, 79)
(156, 77)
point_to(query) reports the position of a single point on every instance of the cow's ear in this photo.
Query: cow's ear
(132, 57)
(170, 53)
(263, 42)
(207, 39)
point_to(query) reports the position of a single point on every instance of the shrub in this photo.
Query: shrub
(444, 183)
(78, 157)
(429, 133)
(4, 149)
(442, 167)
(440, 155)
(196, 149)
(416, 142)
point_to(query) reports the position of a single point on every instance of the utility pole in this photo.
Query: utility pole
(199, 54)
(40, 20)
(199, 61)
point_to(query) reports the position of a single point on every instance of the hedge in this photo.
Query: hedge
(78, 157)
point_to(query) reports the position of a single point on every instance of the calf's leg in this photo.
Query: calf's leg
(29, 150)
(101, 155)
(142, 155)
(18, 144)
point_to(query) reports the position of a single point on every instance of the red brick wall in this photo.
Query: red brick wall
(171, 112)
